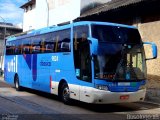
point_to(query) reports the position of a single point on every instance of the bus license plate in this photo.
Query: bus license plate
(124, 84)
(124, 97)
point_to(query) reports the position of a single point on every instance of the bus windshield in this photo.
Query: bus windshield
(120, 54)
(116, 34)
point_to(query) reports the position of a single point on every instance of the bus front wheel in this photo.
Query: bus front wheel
(16, 83)
(65, 94)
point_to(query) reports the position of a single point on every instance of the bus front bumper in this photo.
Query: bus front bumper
(107, 97)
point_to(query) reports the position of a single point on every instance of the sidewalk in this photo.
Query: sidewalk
(2, 83)
(152, 95)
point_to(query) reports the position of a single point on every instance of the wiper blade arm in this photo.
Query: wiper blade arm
(121, 61)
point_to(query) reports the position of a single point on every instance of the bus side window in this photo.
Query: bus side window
(43, 49)
(30, 46)
(49, 47)
(9, 48)
(82, 60)
(16, 50)
(18, 46)
(21, 48)
(36, 49)
(36, 44)
(24, 46)
(63, 41)
(26, 49)
(13, 48)
(56, 43)
(65, 46)
(49, 42)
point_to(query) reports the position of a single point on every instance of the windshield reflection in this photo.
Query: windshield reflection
(126, 62)
(120, 53)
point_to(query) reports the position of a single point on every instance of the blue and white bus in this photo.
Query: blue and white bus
(93, 62)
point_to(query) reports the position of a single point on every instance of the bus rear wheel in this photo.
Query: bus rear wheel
(16, 83)
(65, 94)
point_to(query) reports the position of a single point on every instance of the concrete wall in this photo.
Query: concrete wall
(150, 32)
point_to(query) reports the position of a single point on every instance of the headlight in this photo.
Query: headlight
(142, 87)
(102, 87)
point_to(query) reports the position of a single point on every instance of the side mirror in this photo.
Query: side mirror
(94, 45)
(154, 50)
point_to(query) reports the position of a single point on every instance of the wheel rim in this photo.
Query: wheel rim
(66, 94)
(16, 84)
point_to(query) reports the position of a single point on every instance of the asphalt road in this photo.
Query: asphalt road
(34, 105)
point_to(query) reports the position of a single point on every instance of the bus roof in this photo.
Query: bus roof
(57, 28)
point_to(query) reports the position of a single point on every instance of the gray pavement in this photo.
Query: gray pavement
(2, 83)
(152, 95)
(39, 106)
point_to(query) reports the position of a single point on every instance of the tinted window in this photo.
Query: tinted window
(10, 48)
(17, 47)
(115, 34)
(82, 54)
(58, 41)
(26, 43)
(49, 42)
(62, 41)
(36, 44)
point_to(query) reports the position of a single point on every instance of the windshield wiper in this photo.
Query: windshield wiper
(123, 64)
(121, 61)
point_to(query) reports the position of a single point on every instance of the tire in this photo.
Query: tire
(16, 83)
(65, 94)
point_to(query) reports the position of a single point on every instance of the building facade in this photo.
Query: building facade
(29, 16)
(43, 13)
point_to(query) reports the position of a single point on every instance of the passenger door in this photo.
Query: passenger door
(82, 62)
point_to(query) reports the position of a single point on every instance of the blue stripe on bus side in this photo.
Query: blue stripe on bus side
(28, 60)
(34, 67)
